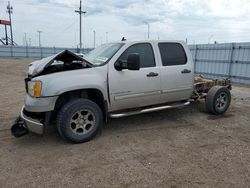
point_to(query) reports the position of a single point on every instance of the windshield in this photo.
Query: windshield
(103, 53)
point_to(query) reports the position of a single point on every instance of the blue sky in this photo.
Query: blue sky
(200, 21)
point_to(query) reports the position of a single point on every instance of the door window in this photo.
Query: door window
(144, 50)
(172, 54)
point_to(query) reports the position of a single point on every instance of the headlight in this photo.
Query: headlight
(34, 88)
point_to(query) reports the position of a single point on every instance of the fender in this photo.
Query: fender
(58, 83)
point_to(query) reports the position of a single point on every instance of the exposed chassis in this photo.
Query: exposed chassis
(203, 85)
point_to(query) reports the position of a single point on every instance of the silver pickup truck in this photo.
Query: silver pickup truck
(114, 80)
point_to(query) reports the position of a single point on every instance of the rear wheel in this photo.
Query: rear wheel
(79, 120)
(218, 100)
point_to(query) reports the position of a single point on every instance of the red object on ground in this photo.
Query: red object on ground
(4, 22)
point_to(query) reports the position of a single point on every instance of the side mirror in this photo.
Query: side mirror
(132, 63)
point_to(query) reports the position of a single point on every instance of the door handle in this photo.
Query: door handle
(152, 74)
(185, 71)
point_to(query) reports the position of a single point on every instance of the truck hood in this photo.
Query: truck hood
(61, 82)
(66, 56)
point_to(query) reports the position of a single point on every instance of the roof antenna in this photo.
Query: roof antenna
(124, 39)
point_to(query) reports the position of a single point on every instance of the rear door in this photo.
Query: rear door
(132, 89)
(176, 71)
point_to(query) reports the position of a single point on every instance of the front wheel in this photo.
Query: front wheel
(218, 100)
(79, 120)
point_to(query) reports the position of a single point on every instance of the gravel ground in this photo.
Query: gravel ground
(183, 147)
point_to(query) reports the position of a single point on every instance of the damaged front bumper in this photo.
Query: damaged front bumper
(26, 123)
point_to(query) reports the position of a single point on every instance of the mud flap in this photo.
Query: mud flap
(18, 128)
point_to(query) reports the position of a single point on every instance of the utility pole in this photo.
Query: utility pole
(80, 12)
(94, 38)
(10, 11)
(39, 35)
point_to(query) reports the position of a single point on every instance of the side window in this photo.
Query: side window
(172, 54)
(144, 50)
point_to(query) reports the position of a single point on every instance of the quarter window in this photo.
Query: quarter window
(144, 50)
(172, 54)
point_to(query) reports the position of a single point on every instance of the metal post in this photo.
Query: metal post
(231, 60)
(27, 55)
(10, 11)
(39, 38)
(195, 57)
(6, 35)
(41, 52)
(80, 25)
(40, 45)
(11, 50)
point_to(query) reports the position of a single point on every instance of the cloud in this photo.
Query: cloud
(169, 19)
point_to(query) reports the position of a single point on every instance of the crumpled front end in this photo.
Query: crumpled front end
(30, 122)
(63, 61)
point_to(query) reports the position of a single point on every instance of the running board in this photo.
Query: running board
(146, 110)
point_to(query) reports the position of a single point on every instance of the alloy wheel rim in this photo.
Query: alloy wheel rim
(82, 122)
(221, 100)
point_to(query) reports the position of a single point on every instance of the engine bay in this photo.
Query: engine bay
(63, 61)
(60, 66)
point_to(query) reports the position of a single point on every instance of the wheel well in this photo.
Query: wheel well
(94, 95)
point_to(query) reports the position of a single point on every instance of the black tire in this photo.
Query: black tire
(70, 120)
(218, 100)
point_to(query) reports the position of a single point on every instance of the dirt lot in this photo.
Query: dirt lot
(174, 148)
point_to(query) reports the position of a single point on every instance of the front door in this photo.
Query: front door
(132, 89)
